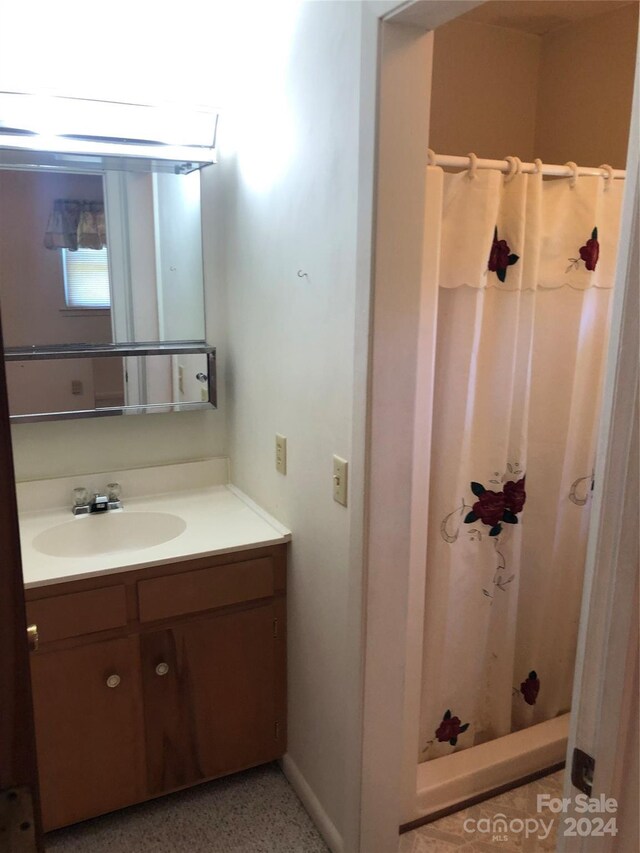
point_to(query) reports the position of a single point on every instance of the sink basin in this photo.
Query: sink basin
(109, 533)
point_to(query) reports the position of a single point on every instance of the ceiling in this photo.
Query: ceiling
(539, 16)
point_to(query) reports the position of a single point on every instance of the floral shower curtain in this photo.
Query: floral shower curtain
(524, 275)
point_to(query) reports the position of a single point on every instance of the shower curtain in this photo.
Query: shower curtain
(525, 270)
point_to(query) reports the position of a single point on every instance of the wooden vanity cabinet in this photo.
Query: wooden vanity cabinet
(214, 708)
(187, 682)
(88, 734)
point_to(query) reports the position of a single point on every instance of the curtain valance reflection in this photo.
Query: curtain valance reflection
(75, 224)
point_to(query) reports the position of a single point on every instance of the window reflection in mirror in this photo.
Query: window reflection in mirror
(96, 258)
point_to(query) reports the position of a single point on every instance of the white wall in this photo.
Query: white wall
(63, 448)
(291, 353)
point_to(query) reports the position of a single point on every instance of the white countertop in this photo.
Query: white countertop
(220, 519)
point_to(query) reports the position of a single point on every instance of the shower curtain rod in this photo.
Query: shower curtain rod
(565, 171)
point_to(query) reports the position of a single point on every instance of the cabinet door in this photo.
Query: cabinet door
(88, 717)
(212, 696)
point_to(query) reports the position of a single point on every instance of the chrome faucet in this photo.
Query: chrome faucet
(99, 503)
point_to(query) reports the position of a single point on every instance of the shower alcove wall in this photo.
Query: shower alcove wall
(496, 91)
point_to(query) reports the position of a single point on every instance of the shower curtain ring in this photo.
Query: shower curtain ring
(431, 157)
(609, 176)
(574, 168)
(515, 167)
(538, 165)
(473, 165)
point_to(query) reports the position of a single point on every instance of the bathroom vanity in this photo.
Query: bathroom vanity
(167, 666)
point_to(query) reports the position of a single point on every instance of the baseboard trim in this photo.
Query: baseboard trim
(311, 804)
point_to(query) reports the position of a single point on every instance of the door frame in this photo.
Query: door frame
(18, 765)
(397, 456)
(397, 461)
(603, 715)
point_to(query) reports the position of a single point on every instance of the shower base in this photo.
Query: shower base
(448, 783)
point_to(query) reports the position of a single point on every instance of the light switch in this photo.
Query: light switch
(281, 453)
(340, 476)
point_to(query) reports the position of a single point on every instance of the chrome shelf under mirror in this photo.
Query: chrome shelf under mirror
(187, 374)
(105, 350)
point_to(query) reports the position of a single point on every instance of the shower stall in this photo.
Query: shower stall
(524, 258)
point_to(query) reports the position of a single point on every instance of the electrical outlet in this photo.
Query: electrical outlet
(281, 453)
(340, 480)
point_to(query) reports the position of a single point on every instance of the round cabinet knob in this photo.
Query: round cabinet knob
(113, 681)
(162, 669)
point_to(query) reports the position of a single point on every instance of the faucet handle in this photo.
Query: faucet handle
(80, 501)
(114, 491)
(80, 496)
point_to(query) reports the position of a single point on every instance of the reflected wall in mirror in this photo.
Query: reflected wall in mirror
(96, 258)
(155, 249)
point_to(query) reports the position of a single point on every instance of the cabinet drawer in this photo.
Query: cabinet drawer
(205, 589)
(78, 613)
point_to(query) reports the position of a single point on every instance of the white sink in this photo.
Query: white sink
(109, 533)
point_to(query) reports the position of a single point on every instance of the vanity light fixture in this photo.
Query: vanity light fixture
(87, 135)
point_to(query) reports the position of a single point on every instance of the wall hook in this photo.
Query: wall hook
(302, 274)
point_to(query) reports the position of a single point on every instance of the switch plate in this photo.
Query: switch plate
(340, 480)
(281, 453)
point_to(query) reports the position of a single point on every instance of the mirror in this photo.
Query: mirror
(100, 259)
